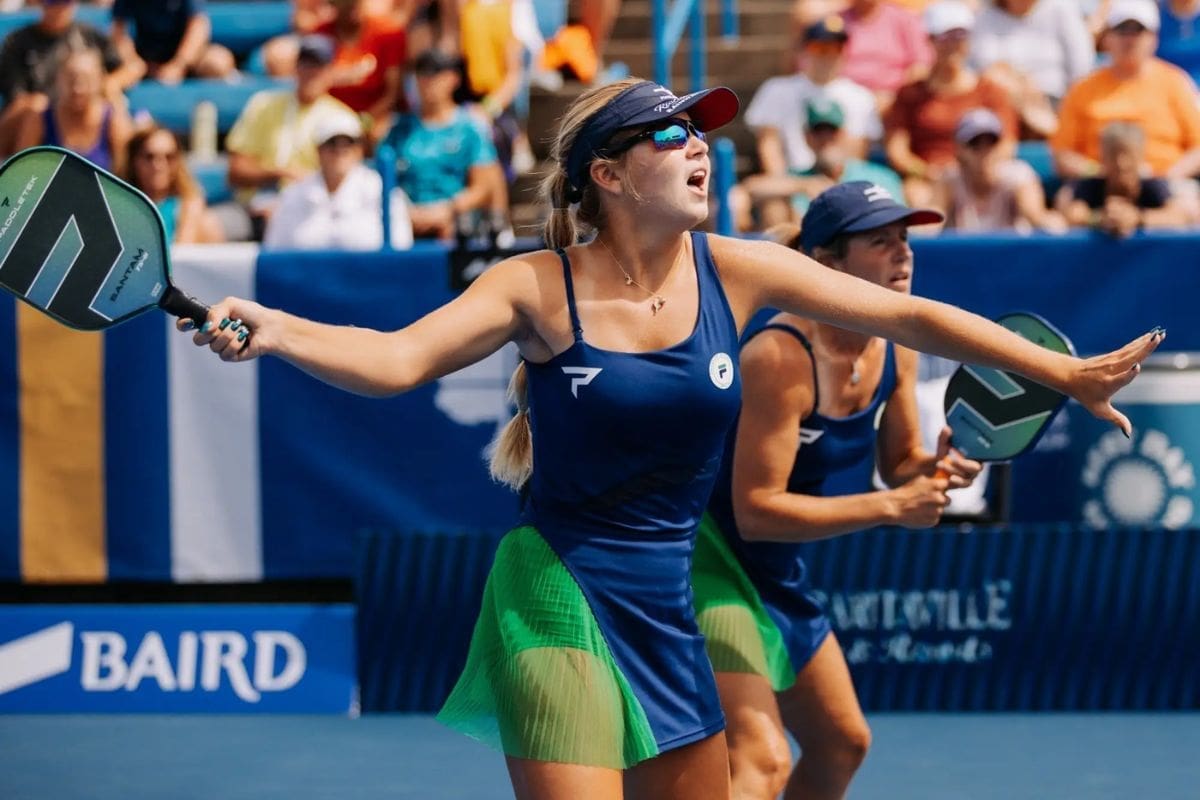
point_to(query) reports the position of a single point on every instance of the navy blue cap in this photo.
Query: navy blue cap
(853, 207)
(641, 104)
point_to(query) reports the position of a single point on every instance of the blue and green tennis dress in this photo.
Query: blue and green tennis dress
(586, 650)
(753, 599)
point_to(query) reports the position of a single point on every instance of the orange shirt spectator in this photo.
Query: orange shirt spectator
(1161, 99)
(930, 118)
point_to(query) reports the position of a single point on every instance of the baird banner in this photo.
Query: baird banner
(178, 659)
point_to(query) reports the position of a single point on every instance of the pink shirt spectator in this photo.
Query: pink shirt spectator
(884, 47)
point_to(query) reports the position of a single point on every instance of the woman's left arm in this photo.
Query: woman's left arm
(759, 274)
(900, 454)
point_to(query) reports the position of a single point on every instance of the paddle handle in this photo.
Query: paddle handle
(176, 302)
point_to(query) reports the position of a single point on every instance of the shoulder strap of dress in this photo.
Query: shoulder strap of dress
(576, 328)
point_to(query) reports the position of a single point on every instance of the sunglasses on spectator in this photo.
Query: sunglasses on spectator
(667, 134)
(159, 155)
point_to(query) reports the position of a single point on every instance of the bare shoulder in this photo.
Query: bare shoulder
(748, 268)
(524, 277)
(735, 256)
(777, 357)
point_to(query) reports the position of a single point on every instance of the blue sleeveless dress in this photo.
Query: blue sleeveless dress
(587, 649)
(753, 599)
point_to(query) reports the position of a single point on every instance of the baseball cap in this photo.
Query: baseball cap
(826, 29)
(315, 47)
(976, 122)
(853, 207)
(1143, 12)
(337, 124)
(948, 15)
(642, 103)
(823, 111)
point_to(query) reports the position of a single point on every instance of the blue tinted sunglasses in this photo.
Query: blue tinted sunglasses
(667, 134)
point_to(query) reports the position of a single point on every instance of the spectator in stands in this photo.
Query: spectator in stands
(887, 48)
(368, 62)
(920, 125)
(445, 159)
(79, 117)
(155, 164)
(1135, 87)
(270, 144)
(1121, 199)
(836, 160)
(1179, 35)
(776, 114)
(1035, 49)
(169, 41)
(493, 58)
(987, 190)
(338, 207)
(28, 58)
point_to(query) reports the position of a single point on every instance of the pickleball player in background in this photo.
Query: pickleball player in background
(819, 402)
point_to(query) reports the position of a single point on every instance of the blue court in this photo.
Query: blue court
(1099, 756)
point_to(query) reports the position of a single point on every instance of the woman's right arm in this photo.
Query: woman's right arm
(777, 394)
(490, 313)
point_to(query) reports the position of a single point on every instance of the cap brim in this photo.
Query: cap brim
(886, 216)
(709, 109)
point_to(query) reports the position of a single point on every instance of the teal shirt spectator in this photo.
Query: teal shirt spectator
(855, 170)
(433, 161)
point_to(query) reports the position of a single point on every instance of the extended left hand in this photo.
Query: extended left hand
(1095, 380)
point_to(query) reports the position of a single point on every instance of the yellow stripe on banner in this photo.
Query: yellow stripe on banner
(61, 375)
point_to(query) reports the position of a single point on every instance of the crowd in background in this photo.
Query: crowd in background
(938, 102)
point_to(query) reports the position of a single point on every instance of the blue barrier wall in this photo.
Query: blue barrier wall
(1022, 619)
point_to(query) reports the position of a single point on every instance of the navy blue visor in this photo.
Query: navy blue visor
(640, 105)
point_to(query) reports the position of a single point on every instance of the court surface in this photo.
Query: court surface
(915, 756)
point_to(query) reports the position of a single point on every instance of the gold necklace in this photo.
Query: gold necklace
(657, 301)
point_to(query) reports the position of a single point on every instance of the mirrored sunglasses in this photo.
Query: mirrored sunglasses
(669, 134)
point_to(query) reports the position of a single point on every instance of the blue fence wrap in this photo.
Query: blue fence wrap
(1031, 618)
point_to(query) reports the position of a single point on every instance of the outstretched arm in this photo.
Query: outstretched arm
(377, 363)
(759, 274)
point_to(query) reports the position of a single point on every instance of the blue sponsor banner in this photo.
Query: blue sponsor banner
(178, 659)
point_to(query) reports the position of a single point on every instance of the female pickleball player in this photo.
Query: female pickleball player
(818, 400)
(586, 666)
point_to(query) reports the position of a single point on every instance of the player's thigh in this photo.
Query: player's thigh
(547, 780)
(822, 706)
(752, 718)
(698, 771)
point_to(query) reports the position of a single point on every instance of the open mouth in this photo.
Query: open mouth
(698, 180)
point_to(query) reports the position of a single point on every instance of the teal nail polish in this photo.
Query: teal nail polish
(206, 327)
(237, 323)
(242, 336)
(188, 325)
(225, 323)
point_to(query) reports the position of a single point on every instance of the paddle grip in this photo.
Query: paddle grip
(176, 302)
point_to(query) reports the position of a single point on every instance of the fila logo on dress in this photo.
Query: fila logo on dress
(584, 376)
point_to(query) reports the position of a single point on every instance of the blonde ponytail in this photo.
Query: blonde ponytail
(511, 460)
